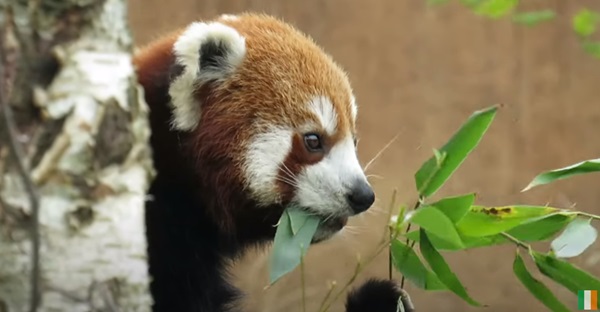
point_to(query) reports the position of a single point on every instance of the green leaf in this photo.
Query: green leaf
(485, 221)
(407, 262)
(534, 231)
(584, 22)
(468, 242)
(440, 157)
(537, 288)
(472, 3)
(533, 18)
(436, 2)
(542, 229)
(592, 48)
(298, 218)
(398, 221)
(495, 8)
(430, 177)
(288, 249)
(433, 220)
(442, 270)
(455, 207)
(564, 273)
(576, 238)
(587, 166)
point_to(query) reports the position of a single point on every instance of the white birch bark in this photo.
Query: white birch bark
(89, 162)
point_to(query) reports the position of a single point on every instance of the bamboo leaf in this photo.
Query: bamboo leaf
(297, 219)
(432, 175)
(584, 22)
(576, 238)
(543, 228)
(587, 166)
(564, 273)
(433, 220)
(455, 207)
(467, 241)
(442, 269)
(496, 8)
(289, 248)
(537, 230)
(537, 288)
(406, 261)
(534, 17)
(485, 221)
(592, 48)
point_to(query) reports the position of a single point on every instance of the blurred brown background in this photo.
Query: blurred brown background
(420, 72)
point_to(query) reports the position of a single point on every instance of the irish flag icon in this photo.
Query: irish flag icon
(587, 300)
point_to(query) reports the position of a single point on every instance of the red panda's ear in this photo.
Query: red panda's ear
(204, 52)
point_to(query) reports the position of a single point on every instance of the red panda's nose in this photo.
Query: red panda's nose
(361, 197)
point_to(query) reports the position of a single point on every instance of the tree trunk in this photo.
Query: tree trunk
(74, 159)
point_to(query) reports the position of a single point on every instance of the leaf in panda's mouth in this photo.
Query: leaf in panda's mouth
(298, 218)
(294, 234)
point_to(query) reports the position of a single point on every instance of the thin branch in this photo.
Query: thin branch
(389, 214)
(391, 232)
(303, 282)
(19, 156)
(7, 77)
(589, 215)
(360, 266)
(331, 288)
(390, 262)
(516, 241)
(412, 244)
(358, 269)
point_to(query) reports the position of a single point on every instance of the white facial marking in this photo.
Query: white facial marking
(353, 107)
(265, 153)
(324, 185)
(228, 17)
(324, 110)
(186, 109)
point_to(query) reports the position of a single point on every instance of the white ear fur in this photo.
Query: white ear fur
(353, 108)
(205, 52)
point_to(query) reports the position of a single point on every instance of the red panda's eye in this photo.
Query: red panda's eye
(313, 142)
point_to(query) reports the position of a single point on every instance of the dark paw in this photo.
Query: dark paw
(379, 296)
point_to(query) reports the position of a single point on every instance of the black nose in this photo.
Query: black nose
(361, 197)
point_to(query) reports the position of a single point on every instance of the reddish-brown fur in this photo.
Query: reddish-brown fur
(202, 215)
(153, 62)
(299, 69)
(282, 70)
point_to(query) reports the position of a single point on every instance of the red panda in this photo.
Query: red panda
(247, 116)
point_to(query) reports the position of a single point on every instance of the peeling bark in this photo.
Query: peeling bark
(81, 124)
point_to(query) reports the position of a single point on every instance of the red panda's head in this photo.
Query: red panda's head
(266, 109)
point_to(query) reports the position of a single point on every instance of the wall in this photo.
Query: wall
(419, 72)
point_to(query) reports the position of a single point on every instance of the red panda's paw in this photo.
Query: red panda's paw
(379, 295)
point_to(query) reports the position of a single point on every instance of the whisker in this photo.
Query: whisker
(286, 180)
(292, 183)
(287, 171)
(328, 218)
(381, 151)
(287, 175)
